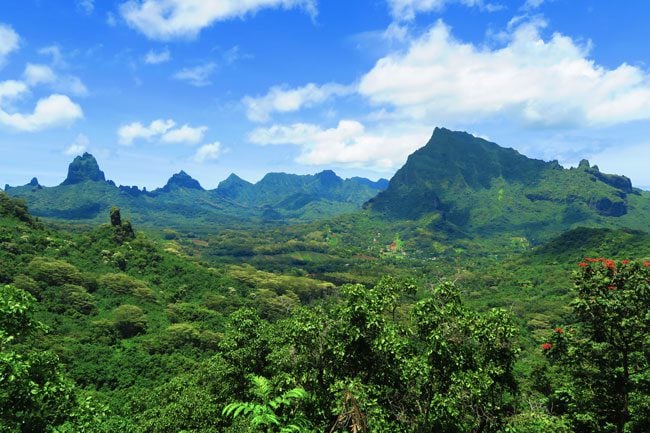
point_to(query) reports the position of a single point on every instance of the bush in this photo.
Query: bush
(129, 320)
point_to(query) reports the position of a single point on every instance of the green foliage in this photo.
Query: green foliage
(14, 208)
(122, 284)
(52, 272)
(605, 357)
(35, 396)
(129, 320)
(271, 414)
(162, 336)
(471, 185)
(85, 195)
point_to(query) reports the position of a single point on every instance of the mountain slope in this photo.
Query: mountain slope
(86, 195)
(476, 186)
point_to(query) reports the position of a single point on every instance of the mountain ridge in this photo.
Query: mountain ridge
(85, 194)
(477, 186)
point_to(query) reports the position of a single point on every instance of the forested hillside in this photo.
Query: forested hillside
(182, 203)
(106, 329)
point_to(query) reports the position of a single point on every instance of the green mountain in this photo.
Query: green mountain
(463, 183)
(86, 195)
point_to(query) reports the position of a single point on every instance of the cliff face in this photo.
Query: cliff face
(84, 168)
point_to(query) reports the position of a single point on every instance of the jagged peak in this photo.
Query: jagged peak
(233, 179)
(328, 177)
(182, 180)
(84, 168)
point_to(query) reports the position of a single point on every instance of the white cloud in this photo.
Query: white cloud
(161, 129)
(208, 152)
(9, 41)
(35, 74)
(71, 84)
(185, 134)
(12, 89)
(79, 145)
(110, 19)
(198, 76)
(155, 57)
(346, 144)
(541, 82)
(54, 110)
(55, 52)
(38, 74)
(170, 19)
(282, 100)
(87, 6)
(136, 130)
(532, 4)
(408, 9)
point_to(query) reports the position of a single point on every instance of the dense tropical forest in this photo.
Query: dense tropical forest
(477, 291)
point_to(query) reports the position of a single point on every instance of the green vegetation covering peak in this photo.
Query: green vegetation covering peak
(479, 187)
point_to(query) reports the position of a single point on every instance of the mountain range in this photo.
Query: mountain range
(86, 195)
(457, 183)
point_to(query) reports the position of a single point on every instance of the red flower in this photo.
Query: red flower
(625, 262)
(611, 264)
(611, 287)
(582, 264)
(646, 263)
(547, 346)
(559, 330)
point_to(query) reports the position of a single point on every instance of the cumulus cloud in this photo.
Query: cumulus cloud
(208, 152)
(79, 145)
(9, 41)
(408, 9)
(54, 110)
(542, 82)
(171, 19)
(346, 144)
(161, 129)
(155, 57)
(198, 76)
(281, 99)
(38, 74)
(127, 134)
(12, 89)
(184, 134)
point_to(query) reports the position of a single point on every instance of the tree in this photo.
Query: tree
(606, 354)
(431, 366)
(129, 320)
(35, 396)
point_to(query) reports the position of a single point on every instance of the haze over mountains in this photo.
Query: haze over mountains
(86, 194)
(456, 182)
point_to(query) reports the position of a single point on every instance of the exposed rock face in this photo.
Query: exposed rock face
(607, 207)
(83, 168)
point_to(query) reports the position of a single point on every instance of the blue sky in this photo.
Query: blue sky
(151, 87)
